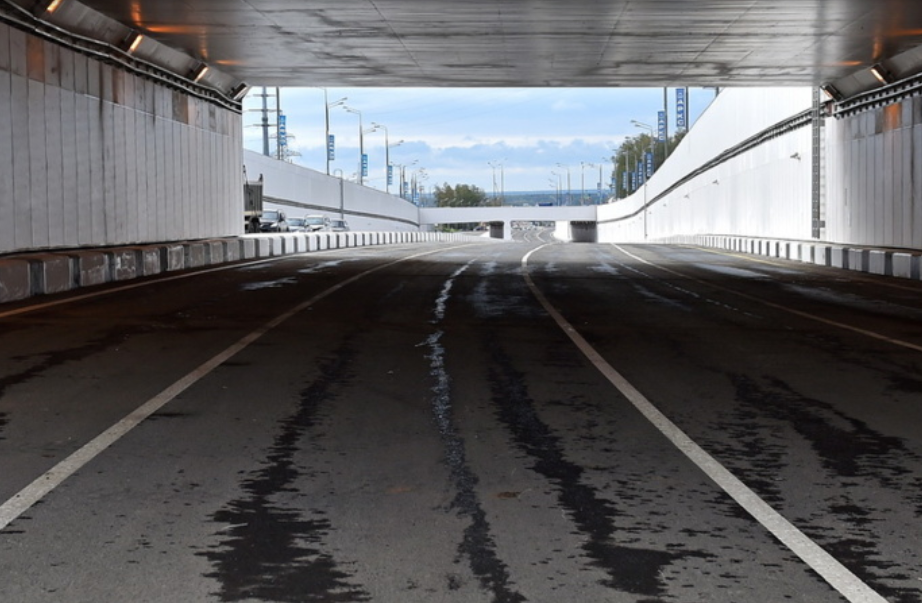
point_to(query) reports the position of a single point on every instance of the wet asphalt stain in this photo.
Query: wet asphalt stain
(274, 553)
(630, 569)
(847, 448)
(477, 545)
(50, 360)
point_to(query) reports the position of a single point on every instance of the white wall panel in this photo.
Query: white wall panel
(87, 161)
(38, 164)
(7, 204)
(54, 152)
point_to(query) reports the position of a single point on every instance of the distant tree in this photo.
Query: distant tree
(631, 154)
(461, 195)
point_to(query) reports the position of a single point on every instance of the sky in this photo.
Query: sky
(499, 139)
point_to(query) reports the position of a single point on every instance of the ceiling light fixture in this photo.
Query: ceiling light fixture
(133, 40)
(882, 74)
(45, 7)
(239, 91)
(832, 92)
(199, 72)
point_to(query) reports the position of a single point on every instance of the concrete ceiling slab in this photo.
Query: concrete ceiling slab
(591, 43)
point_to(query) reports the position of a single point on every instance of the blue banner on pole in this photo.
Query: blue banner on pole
(390, 175)
(661, 126)
(331, 147)
(364, 164)
(649, 163)
(283, 131)
(681, 100)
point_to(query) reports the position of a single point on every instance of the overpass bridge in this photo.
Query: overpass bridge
(581, 218)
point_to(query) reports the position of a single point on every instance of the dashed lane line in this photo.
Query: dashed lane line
(837, 575)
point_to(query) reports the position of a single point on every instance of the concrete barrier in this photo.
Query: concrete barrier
(232, 250)
(906, 265)
(51, 273)
(822, 255)
(880, 262)
(123, 264)
(90, 267)
(194, 254)
(858, 260)
(840, 257)
(247, 248)
(147, 260)
(15, 280)
(214, 252)
(172, 257)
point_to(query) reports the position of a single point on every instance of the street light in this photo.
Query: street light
(582, 165)
(327, 106)
(361, 143)
(650, 128)
(567, 167)
(557, 199)
(387, 157)
(364, 165)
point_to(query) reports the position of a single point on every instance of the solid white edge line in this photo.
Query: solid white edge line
(837, 575)
(23, 500)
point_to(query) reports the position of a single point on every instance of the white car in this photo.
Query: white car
(339, 225)
(316, 223)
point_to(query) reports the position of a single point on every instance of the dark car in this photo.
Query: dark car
(273, 220)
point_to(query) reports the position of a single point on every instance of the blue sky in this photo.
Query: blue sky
(454, 134)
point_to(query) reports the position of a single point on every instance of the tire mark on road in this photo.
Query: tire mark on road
(630, 569)
(273, 553)
(477, 545)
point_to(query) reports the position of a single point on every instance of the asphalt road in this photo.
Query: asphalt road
(483, 422)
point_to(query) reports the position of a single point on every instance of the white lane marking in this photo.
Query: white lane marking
(837, 575)
(807, 315)
(51, 479)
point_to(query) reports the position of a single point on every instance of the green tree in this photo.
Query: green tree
(632, 153)
(461, 195)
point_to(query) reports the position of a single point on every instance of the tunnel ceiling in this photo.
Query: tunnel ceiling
(589, 43)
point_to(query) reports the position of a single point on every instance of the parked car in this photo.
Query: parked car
(316, 223)
(273, 220)
(297, 224)
(339, 225)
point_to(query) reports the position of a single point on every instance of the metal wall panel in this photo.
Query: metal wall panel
(54, 160)
(142, 191)
(7, 203)
(84, 160)
(38, 164)
(83, 201)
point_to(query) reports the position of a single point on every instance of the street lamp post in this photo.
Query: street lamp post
(566, 167)
(582, 179)
(327, 106)
(361, 143)
(342, 196)
(387, 157)
(557, 196)
(650, 128)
